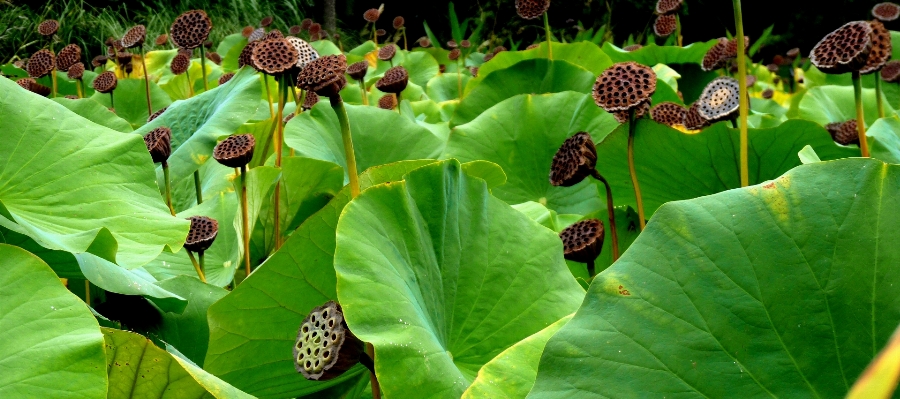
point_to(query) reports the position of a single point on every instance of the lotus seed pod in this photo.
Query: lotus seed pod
(732, 45)
(305, 24)
(314, 29)
(71, 97)
(310, 101)
(531, 9)
(273, 34)
(633, 47)
(574, 161)
(20, 63)
(48, 27)
(202, 233)
(639, 112)
(294, 30)
(324, 76)
(325, 347)
(246, 53)
(266, 21)
(214, 57)
(442, 68)
(371, 15)
(768, 94)
(452, 44)
(235, 151)
(358, 70)
(720, 100)
(454, 54)
(387, 52)
(124, 58)
(844, 133)
(474, 71)
(387, 101)
(380, 32)
(693, 120)
(398, 22)
(844, 50)
(715, 57)
(624, 86)
(499, 49)
(156, 114)
(68, 56)
(161, 39)
(257, 34)
(489, 57)
(33, 86)
(881, 49)
(668, 6)
(465, 43)
(159, 143)
(99, 60)
(793, 53)
(129, 68)
(288, 118)
(274, 56)
(191, 29)
(105, 82)
(891, 72)
(533, 46)
(665, 25)
(180, 63)
(134, 37)
(424, 42)
(41, 64)
(583, 240)
(75, 71)
(225, 78)
(394, 80)
(772, 68)
(668, 113)
(751, 80)
(886, 11)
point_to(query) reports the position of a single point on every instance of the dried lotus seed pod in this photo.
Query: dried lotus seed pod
(225, 78)
(575, 160)
(41, 64)
(881, 49)
(75, 71)
(394, 80)
(668, 113)
(582, 241)
(274, 56)
(665, 25)
(105, 82)
(624, 86)
(191, 29)
(99, 60)
(214, 57)
(48, 27)
(324, 76)
(844, 133)
(273, 34)
(235, 151)
(256, 34)
(162, 39)
(387, 52)
(180, 63)
(454, 54)
(720, 99)
(156, 114)
(693, 120)
(68, 56)
(668, 6)
(531, 9)
(294, 30)
(266, 21)
(202, 233)
(387, 101)
(358, 70)
(886, 12)
(715, 57)
(844, 50)
(398, 22)
(246, 53)
(310, 101)
(633, 47)
(639, 112)
(159, 143)
(134, 37)
(371, 15)
(768, 94)
(325, 347)
(891, 72)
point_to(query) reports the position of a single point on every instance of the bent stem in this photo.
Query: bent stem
(742, 83)
(610, 209)
(197, 187)
(860, 119)
(279, 138)
(547, 33)
(146, 82)
(245, 220)
(878, 96)
(634, 179)
(404, 38)
(203, 68)
(370, 364)
(189, 82)
(197, 266)
(165, 168)
(362, 92)
(338, 105)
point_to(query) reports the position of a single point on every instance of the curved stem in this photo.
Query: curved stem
(190, 82)
(405, 47)
(373, 380)
(878, 96)
(634, 179)
(679, 39)
(860, 117)
(165, 168)
(610, 210)
(338, 105)
(197, 266)
(146, 82)
(197, 187)
(279, 138)
(245, 219)
(203, 67)
(548, 35)
(742, 82)
(362, 92)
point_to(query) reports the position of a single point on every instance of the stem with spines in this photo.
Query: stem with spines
(860, 116)
(631, 169)
(744, 98)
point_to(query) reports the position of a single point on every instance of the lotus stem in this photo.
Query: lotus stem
(53, 75)
(860, 117)
(362, 92)
(165, 168)
(279, 138)
(268, 95)
(610, 210)
(197, 187)
(203, 68)
(146, 82)
(634, 179)
(591, 269)
(197, 266)
(298, 100)
(459, 93)
(375, 35)
(878, 99)
(742, 83)
(87, 292)
(547, 33)
(79, 85)
(373, 380)
(245, 219)
(338, 105)
(678, 37)
(403, 32)
(112, 101)
(189, 82)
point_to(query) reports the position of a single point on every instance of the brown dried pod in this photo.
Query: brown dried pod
(891, 72)
(668, 113)
(68, 56)
(20, 63)
(324, 76)
(720, 100)
(664, 25)
(465, 43)
(454, 54)
(633, 47)
(105, 82)
(793, 53)
(180, 63)
(41, 64)
(387, 101)
(394, 80)
(129, 68)
(305, 24)
(159, 143)
(772, 68)
(48, 27)
(202, 233)
(488, 57)
(124, 58)
(288, 118)
(452, 44)
(844, 133)
(582, 241)
(266, 21)
(398, 22)
(844, 50)
(274, 56)
(768, 94)
(624, 86)
(474, 71)
(208, 44)
(751, 80)
(640, 111)
(273, 34)
(531, 9)
(225, 78)
(325, 347)
(424, 42)
(235, 151)
(246, 53)
(731, 48)
(371, 15)
(533, 46)
(442, 68)
(715, 57)
(75, 71)
(886, 11)
(99, 60)
(257, 34)
(314, 30)
(499, 49)
(134, 37)
(881, 49)
(156, 114)
(33, 86)
(162, 39)
(380, 32)
(574, 161)
(71, 97)
(310, 101)
(294, 30)
(693, 120)
(668, 6)
(191, 29)
(358, 70)
(387, 52)
(214, 57)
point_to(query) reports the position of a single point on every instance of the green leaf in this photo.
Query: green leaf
(583, 54)
(111, 277)
(653, 54)
(879, 380)
(75, 186)
(137, 368)
(94, 112)
(230, 42)
(441, 277)
(130, 98)
(826, 104)
(421, 66)
(446, 86)
(188, 330)
(884, 139)
(50, 344)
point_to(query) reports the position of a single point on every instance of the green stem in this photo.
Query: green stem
(279, 140)
(112, 101)
(197, 267)
(165, 168)
(338, 105)
(742, 82)
(203, 67)
(591, 268)
(459, 93)
(268, 95)
(548, 35)
(189, 82)
(878, 96)
(245, 219)
(405, 47)
(678, 38)
(860, 118)
(197, 187)
(146, 82)
(87, 292)
(634, 179)
(362, 92)
(610, 210)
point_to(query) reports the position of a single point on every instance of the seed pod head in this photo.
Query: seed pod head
(257, 34)
(881, 49)
(474, 71)
(191, 29)
(639, 112)
(325, 348)
(134, 37)
(75, 71)
(324, 76)
(105, 82)
(387, 52)
(465, 43)
(266, 21)
(288, 118)
(129, 68)
(387, 101)
(715, 57)
(772, 68)
(398, 22)
(314, 29)
(793, 53)
(41, 64)
(624, 86)
(844, 133)
(452, 44)
(844, 50)
(159, 143)
(305, 23)
(665, 25)
(424, 42)
(156, 114)
(48, 27)
(574, 161)
(886, 11)
(668, 113)
(720, 99)
(246, 53)
(633, 47)
(273, 34)
(891, 72)
(274, 56)
(394, 80)
(751, 80)
(68, 56)
(768, 94)
(202, 233)
(668, 6)
(454, 54)
(161, 39)
(33, 86)
(235, 151)
(358, 70)
(442, 68)
(499, 49)
(583, 241)
(214, 57)
(532, 46)
(180, 63)
(294, 30)
(731, 47)
(371, 15)
(225, 78)
(531, 9)
(693, 120)
(310, 101)
(99, 60)
(124, 58)
(380, 32)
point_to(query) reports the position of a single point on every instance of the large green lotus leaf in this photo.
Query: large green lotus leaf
(50, 343)
(130, 98)
(422, 67)
(260, 184)
(63, 263)
(158, 62)
(66, 86)
(826, 104)
(441, 277)
(177, 86)
(653, 54)
(884, 139)
(534, 76)
(672, 165)
(379, 137)
(253, 327)
(814, 77)
(446, 86)
(94, 112)
(188, 330)
(783, 289)
(230, 42)
(325, 47)
(138, 369)
(511, 374)
(113, 278)
(584, 54)
(524, 146)
(76, 186)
